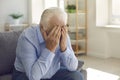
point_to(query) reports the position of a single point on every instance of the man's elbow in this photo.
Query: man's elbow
(73, 67)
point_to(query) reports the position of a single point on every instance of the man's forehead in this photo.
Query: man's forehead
(57, 21)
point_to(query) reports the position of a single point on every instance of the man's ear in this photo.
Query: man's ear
(41, 26)
(43, 31)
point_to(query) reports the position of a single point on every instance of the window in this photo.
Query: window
(35, 11)
(107, 13)
(115, 12)
(54, 3)
(61, 4)
(51, 3)
(102, 13)
(36, 7)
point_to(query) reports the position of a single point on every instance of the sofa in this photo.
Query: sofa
(8, 43)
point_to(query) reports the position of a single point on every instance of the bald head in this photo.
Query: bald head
(53, 17)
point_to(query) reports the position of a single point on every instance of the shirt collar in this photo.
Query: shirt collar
(39, 34)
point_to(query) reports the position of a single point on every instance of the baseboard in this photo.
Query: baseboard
(99, 55)
(116, 56)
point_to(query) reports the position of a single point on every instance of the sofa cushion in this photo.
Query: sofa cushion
(8, 43)
(80, 65)
(84, 74)
(6, 77)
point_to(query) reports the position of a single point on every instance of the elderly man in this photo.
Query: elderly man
(44, 51)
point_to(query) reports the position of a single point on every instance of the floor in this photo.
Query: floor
(101, 69)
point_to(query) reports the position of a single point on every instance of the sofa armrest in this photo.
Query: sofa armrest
(6, 77)
(80, 64)
(84, 73)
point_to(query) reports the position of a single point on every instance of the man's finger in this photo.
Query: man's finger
(57, 31)
(64, 30)
(52, 31)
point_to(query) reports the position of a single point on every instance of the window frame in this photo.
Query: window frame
(112, 20)
(104, 14)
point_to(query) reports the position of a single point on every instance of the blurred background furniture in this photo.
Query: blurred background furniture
(15, 27)
(77, 21)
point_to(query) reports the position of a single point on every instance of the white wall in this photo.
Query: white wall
(102, 42)
(114, 42)
(12, 6)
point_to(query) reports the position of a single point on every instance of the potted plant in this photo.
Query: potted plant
(16, 18)
(71, 8)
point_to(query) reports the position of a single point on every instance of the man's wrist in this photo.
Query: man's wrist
(51, 49)
(62, 50)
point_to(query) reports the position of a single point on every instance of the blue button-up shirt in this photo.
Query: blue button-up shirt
(33, 58)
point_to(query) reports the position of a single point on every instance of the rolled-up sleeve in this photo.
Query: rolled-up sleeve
(35, 68)
(68, 58)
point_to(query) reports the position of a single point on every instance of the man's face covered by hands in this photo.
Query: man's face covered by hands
(56, 33)
(55, 21)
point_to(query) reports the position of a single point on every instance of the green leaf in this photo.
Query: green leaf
(16, 16)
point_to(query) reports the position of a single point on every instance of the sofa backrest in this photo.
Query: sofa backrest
(8, 43)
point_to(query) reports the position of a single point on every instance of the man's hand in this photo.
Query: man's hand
(53, 38)
(63, 39)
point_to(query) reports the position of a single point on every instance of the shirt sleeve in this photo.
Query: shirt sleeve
(68, 58)
(35, 68)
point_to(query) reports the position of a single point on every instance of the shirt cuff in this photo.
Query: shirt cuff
(66, 53)
(47, 54)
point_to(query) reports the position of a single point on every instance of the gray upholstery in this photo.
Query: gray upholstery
(8, 43)
(80, 64)
(6, 77)
(84, 73)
